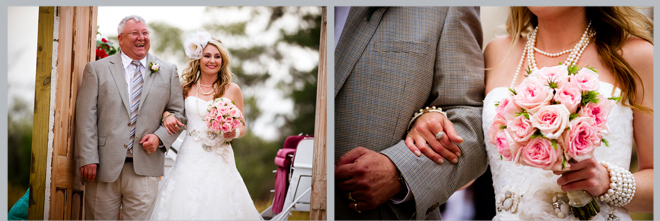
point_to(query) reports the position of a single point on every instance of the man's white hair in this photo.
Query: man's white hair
(123, 21)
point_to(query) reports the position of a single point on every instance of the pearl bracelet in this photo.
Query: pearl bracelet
(423, 111)
(238, 133)
(622, 186)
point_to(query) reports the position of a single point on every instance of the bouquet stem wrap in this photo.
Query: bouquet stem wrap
(583, 205)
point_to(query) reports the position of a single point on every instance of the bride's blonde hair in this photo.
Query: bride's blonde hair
(192, 73)
(613, 25)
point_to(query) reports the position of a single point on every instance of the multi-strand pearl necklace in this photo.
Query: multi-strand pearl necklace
(573, 57)
(199, 89)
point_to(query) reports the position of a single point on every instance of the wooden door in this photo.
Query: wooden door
(72, 32)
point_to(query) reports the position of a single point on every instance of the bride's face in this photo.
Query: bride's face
(553, 12)
(211, 60)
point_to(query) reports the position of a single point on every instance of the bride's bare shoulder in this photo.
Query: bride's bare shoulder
(497, 48)
(638, 53)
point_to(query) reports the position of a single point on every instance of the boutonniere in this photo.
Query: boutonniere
(154, 67)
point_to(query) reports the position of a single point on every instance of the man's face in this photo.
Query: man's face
(133, 41)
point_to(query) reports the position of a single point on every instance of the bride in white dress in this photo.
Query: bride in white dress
(621, 50)
(204, 183)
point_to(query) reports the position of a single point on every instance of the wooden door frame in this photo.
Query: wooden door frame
(319, 173)
(66, 42)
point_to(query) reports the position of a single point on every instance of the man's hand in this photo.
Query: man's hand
(370, 177)
(88, 172)
(150, 143)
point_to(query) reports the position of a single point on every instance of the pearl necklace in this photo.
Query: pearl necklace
(552, 55)
(573, 57)
(199, 89)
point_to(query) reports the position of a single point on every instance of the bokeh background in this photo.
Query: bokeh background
(274, 56)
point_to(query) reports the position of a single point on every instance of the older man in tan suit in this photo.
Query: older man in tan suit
(120, 143)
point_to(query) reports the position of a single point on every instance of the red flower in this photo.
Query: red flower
(100, 53)
(104, 40)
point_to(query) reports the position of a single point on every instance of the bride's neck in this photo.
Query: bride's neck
(561, 32)
(208, 79)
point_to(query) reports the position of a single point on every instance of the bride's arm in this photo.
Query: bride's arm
(589, 175)
(233, 92)
(640, 58)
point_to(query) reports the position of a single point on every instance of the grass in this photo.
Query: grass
(295, 215)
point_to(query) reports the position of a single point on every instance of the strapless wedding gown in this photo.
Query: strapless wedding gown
(204, 183)
(536, 186)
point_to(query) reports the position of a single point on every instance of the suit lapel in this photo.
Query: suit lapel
(148, 79)
(354, 39)
(117, 71)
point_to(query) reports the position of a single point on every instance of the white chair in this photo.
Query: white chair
(298, 197)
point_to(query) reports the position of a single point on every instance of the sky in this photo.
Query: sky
(22, 51)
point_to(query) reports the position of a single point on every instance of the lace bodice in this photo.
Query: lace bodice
(537, 186)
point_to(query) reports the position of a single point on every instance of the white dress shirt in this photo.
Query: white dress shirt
(129, 71)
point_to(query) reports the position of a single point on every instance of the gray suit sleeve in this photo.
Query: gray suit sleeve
(86, 150)
(458, 88)
(175, 106)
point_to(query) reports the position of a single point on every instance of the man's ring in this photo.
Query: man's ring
(356, 209)
(439, 135)
(351, 198)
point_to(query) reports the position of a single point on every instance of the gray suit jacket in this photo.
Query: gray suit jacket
(401, 60)
(103, 119)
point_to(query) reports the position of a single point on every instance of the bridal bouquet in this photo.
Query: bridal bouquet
(223, 116)
(556, 115)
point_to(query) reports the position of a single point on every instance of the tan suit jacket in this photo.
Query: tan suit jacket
(401, 60)
(103, 119)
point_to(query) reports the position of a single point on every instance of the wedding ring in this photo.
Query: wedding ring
(351, 198)
(439, 135)
(356, 209)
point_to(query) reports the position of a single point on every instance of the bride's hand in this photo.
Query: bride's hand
(171, 123)
(423, 133)
(229, 135)
(586, 175)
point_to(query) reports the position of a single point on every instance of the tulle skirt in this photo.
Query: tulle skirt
(203, 185)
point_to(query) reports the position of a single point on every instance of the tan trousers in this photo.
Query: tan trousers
(134, 193)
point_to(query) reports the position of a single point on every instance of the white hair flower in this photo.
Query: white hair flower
(195, 43)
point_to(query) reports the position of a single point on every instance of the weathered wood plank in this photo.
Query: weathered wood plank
(77, 41)
(39, 151)
(319, 174)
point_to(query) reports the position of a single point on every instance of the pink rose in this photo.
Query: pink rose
(507, 108)
(219, 118)
(228, 120)
(586, 80)
(213, 111)
(557, 74)
(581, 140)
(236, 123)
(540, 153)
(598, 112)
(234, 112)
(223, 110)
(551, 120)
(498, 122)
(216, 126)
(532, 95)
(225, 128)
(505, 145)
(520, 129)
(569, 95)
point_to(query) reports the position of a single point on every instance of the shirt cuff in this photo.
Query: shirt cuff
(400, 198)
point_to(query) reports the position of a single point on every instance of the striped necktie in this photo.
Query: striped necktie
(136, 92)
